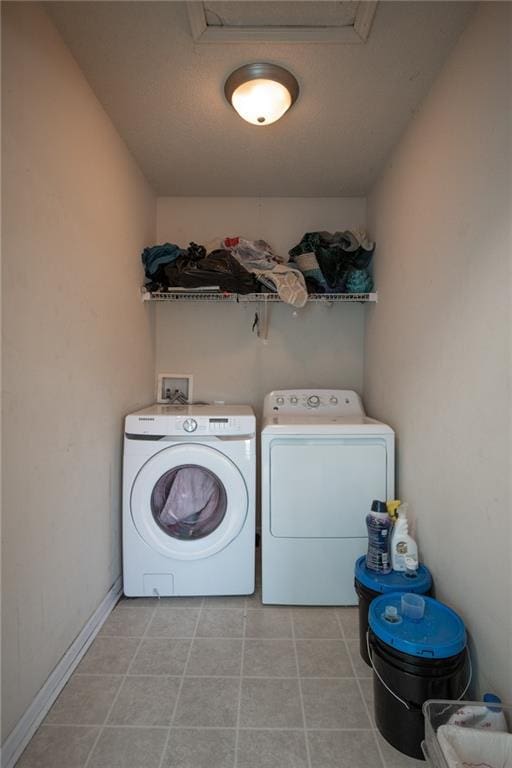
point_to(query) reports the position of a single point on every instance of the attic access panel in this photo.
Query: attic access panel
(288, 22)
(279, 14)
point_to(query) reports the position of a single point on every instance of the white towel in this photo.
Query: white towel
(475, 748)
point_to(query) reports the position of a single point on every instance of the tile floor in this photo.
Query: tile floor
(217, 683)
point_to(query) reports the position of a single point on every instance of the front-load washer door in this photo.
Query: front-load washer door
(323, 488)
(189, 501)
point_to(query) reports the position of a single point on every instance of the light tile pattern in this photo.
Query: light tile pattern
(145, 701)
(217, 682)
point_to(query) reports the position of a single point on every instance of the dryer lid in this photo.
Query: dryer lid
(285, 424)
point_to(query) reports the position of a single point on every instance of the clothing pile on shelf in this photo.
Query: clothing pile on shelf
(258, 258)
(320, 263)
(167, 266)
(335, 263)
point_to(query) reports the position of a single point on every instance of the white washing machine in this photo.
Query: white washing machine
(323, 462)
(189, 501)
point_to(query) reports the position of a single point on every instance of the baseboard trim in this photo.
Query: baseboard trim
(38, 709)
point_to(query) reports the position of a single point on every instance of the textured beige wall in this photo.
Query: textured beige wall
(438, 354)
(78, 349)
(318, 346)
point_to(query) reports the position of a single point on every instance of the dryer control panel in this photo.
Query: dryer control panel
(310, 402)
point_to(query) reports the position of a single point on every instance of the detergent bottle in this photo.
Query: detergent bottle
(487, 717)
(379, 526)
(402, 544)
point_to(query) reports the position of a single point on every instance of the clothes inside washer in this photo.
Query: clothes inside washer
(188, 502)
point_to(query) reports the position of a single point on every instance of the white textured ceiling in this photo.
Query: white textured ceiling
(164, 93)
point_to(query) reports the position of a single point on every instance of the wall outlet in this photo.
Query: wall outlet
(174, 388)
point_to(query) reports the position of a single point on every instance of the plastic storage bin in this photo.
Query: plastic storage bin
(369, 585)
(438, 712)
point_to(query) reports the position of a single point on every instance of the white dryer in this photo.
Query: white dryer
(189, 501)
(323, 462)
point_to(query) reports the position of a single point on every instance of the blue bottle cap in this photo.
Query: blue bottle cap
(440, 634)
(380, 507)
(491, 698)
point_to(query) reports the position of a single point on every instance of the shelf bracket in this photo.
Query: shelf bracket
(261, 322)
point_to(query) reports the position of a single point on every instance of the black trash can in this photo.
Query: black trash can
(414, 660)
(370, 584)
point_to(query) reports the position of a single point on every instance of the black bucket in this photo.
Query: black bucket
(403, 681)
(414, 681)
(385, 583)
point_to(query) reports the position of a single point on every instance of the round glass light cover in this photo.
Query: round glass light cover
(261, 101)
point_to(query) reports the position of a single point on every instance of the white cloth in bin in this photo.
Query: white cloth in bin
(475, 748)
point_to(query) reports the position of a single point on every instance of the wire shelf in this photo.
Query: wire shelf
(320, 298)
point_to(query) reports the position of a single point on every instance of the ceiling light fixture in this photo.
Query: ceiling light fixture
(261, 93)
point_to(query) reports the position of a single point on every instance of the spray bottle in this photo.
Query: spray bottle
(402, 544)
(392, 507)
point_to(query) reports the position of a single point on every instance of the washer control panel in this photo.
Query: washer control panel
(208, 425)
(192, 421)
(310, 402)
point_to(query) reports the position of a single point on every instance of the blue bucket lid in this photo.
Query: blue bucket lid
(438, 635)
(393, 582)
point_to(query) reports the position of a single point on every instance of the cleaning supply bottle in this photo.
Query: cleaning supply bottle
(489, 716)
(402, 545)
(379, 526)
(392, 507)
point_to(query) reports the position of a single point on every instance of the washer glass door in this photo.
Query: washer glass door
(189, 501)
